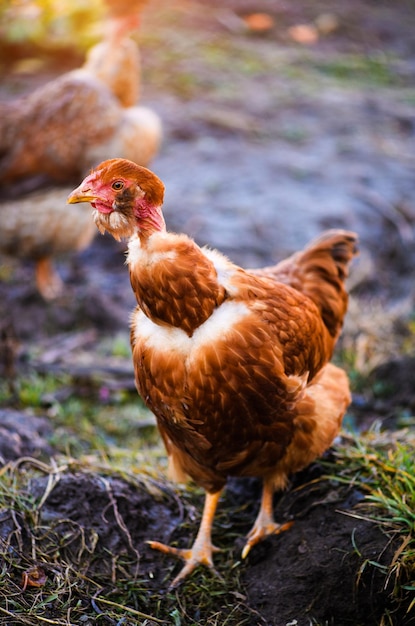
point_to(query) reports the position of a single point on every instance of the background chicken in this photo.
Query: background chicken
(234, 363)
(56, 134)
(116, 59)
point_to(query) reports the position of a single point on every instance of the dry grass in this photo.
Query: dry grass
(57, 571)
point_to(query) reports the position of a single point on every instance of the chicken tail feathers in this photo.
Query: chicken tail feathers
(319, 272)
(341, 245)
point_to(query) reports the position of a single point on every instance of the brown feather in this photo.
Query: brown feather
(319, 272)
(228, 403)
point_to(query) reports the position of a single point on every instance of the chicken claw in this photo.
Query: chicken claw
(199, 554)
(264, 524)
(202, 549)
(260, 532)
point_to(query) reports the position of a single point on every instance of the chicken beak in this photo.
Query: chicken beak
(80, 195)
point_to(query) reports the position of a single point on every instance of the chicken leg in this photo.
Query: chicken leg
(264, 524)
(48, 281)
(201, 551)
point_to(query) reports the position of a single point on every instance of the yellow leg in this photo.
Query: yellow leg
(201, 551)
(48, 281)
(264, 524)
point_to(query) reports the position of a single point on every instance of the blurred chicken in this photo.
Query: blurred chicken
(122, 8)
(67, 126)
(116, 59)
(107, 58)
(56, 134)
(36, 227)
(233, 363)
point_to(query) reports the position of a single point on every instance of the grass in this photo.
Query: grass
(382, 466)
(84, 582)
(373, 70)
(81, 581)
(91, 419)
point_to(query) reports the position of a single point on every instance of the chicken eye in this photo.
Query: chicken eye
(118, 185)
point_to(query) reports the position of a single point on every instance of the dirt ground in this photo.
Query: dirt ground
(267, 141)
(326, 569)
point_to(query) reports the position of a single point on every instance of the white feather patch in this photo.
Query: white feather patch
(166, 338)
(225, 269)
(139, 256)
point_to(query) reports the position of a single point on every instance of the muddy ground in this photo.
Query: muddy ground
(267, 141)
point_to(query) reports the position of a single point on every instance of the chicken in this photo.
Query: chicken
(35, 227)
(115, 60)
(233, 363)
(56, 134)
(67, 126)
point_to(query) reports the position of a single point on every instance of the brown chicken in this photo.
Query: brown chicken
(233, 363)
(70, 124)
(55, 135)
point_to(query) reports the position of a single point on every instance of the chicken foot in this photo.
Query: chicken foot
(202, 549)
(265, 524)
